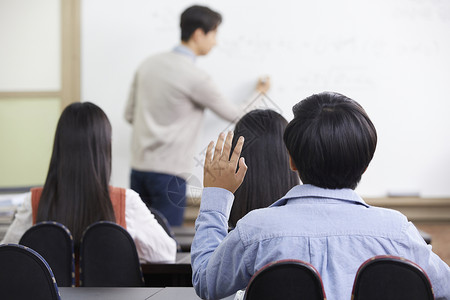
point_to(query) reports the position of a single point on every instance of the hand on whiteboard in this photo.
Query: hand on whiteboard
(220, 168)
(263, 84)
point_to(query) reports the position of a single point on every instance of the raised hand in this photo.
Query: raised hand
(220, 168)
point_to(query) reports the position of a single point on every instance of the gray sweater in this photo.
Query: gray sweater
(165, 107)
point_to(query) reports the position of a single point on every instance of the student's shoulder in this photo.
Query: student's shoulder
(387, 218)
(261, 216)
(388, 213)
(133, 201)
(131, 194)
(260, 224)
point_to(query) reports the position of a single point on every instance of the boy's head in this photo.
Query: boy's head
(198, 17)
(331, 140)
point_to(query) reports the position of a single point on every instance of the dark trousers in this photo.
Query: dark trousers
(164, 192)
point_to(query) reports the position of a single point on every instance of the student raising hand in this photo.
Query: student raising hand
(220, 168)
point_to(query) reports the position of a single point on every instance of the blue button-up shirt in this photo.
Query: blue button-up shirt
(182, 49)
(334, 230)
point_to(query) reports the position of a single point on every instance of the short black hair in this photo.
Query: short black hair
(331, 140)
(198, 17)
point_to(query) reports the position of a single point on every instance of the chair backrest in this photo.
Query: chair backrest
(162, 220)
(24, 274)
(54, 242)
(108, 257)
(286, 279)
(390, 277)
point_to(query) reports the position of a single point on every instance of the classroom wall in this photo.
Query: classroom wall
(30, 45)
(27, 129)
(30, 67)
(391, 56)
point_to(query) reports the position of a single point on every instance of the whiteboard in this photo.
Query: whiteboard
(393, 57)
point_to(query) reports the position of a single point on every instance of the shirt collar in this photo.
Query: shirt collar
(185, 51)
(311, 192)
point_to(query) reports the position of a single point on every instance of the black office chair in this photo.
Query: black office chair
(286, 279)
(25, 274)
(390, 277)
(108, 257)
(162, 220)
(54, 242)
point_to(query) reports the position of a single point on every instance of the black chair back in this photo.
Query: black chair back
(286, 279)
(390, 277)
(108, 257)
(54, 242)
(25, 274)
(162, 220)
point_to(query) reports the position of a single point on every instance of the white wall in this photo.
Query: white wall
(30, 45)
(30, 61)
(391, 56)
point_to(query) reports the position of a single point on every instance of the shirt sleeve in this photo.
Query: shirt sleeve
(131, 102)
(437, 270)
(206, 94)
(153, 244)
(23, 220)
(218, 258)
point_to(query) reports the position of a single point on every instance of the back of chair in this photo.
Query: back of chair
(390, 277)
(108, 257)
(54, 242)
(286, 279)
(24, 274)
(162, 221)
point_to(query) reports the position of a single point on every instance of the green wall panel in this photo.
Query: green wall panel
(27, 128)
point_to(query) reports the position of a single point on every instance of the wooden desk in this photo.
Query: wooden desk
(108, 293)
(177, 274)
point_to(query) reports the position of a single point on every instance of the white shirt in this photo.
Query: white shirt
(153, 244)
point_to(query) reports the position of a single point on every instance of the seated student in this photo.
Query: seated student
(268, 177)
(76, 192)
(331, 141)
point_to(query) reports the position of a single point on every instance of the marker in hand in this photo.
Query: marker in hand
(263, 84)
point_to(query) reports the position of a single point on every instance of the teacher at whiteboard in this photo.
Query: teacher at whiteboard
(165, 107)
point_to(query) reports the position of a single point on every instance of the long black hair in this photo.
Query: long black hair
(76, 191)
(269, 176)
